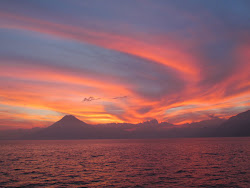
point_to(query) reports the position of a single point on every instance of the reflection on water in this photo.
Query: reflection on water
(200, 162)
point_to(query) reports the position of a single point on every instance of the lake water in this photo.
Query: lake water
(189, 162)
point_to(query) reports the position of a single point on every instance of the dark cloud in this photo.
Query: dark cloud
(90, 99)
(121, 97)
(164, 55)
(144, 110)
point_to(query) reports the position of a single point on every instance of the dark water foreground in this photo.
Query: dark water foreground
(200, 162)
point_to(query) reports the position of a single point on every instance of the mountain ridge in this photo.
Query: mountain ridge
(70, 127)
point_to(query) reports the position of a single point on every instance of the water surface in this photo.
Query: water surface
(192, 162)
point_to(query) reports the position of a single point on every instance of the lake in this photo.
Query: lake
(186, 162)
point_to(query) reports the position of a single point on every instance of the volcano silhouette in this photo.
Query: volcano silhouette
(68, 122)
(69, 127)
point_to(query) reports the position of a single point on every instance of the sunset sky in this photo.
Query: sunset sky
(123, 61)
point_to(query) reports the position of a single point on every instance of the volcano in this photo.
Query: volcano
(69, 127)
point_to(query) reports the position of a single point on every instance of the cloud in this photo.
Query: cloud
(90, 99)
(170, 60)
(144, 110)
(121, 97)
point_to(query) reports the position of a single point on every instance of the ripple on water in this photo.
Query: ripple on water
(126, 163)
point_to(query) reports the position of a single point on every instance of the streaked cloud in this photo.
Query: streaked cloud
(124, 61)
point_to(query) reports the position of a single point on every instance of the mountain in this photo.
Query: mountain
(205, 128)
(149, 123)
(150, 129)
(69, 127)
(68, 122)
(238, 125)
(214, 122)
(15, 134)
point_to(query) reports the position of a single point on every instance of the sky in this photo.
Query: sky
(123, 61)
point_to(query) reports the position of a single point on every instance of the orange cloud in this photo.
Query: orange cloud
(166, 55)
(61, 90)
